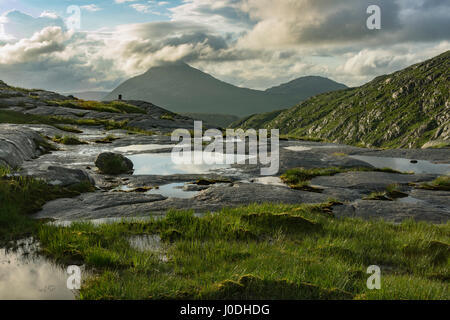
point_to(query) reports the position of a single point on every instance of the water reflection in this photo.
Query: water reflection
(162, 163)
(174, 190)
(401, 164)
(24, 275)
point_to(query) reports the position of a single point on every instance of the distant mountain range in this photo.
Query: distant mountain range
(183, 89)
(409, 108)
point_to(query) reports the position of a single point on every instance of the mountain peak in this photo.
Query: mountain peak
(181, 88)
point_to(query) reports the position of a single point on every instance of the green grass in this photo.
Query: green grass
(301, 138)
(440, 145)
(108, 139)
(392, 192)
(381, 196)
(68, 128)
(68, 140)
(21, 196)
(113, 106)
(167, 117)
(298, 178)
(440, 183)
(267, 251)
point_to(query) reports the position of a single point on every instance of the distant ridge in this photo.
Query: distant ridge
(181, 88)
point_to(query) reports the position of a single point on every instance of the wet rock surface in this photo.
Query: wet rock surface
(18, 144)
(392, 211)
(369, 181)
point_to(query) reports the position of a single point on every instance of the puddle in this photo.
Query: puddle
(405, 165)
(303, 148)
(173, 190)
(149, 243)
(143, 147)
(111, 220)
(297, 148)
(409, 199)
(24, 275)
(274, 181)
(162, 164)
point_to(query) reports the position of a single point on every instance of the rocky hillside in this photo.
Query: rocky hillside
(409, 108)
(183, 89)
(19, 105)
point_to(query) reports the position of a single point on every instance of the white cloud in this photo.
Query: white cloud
(49, 14)
(91, 7)
(141, 7)
(47, 41)
(254, 43)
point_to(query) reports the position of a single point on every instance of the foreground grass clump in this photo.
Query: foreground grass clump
(298, 178)
(108, 139)
(392, 192)
(265, 251)
(21, 196)
(167, 116)
(113, 106)
(68, 140)
(68, 128)
(440, 183)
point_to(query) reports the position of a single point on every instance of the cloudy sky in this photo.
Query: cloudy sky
(251, 43)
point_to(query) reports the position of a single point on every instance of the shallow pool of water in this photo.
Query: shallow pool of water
(111, 220)
(409, 199)
(405, 165)
(143, 147)
(173, 190)
(297, 148)
(274, 181)
(24, 275)
(163, 164)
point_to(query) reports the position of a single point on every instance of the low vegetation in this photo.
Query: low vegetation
(440, 183)
(263, 251)
(68, 140)
(108, 139)
(21, 196)
(167, 116)
(113, 106)
(68, 128)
